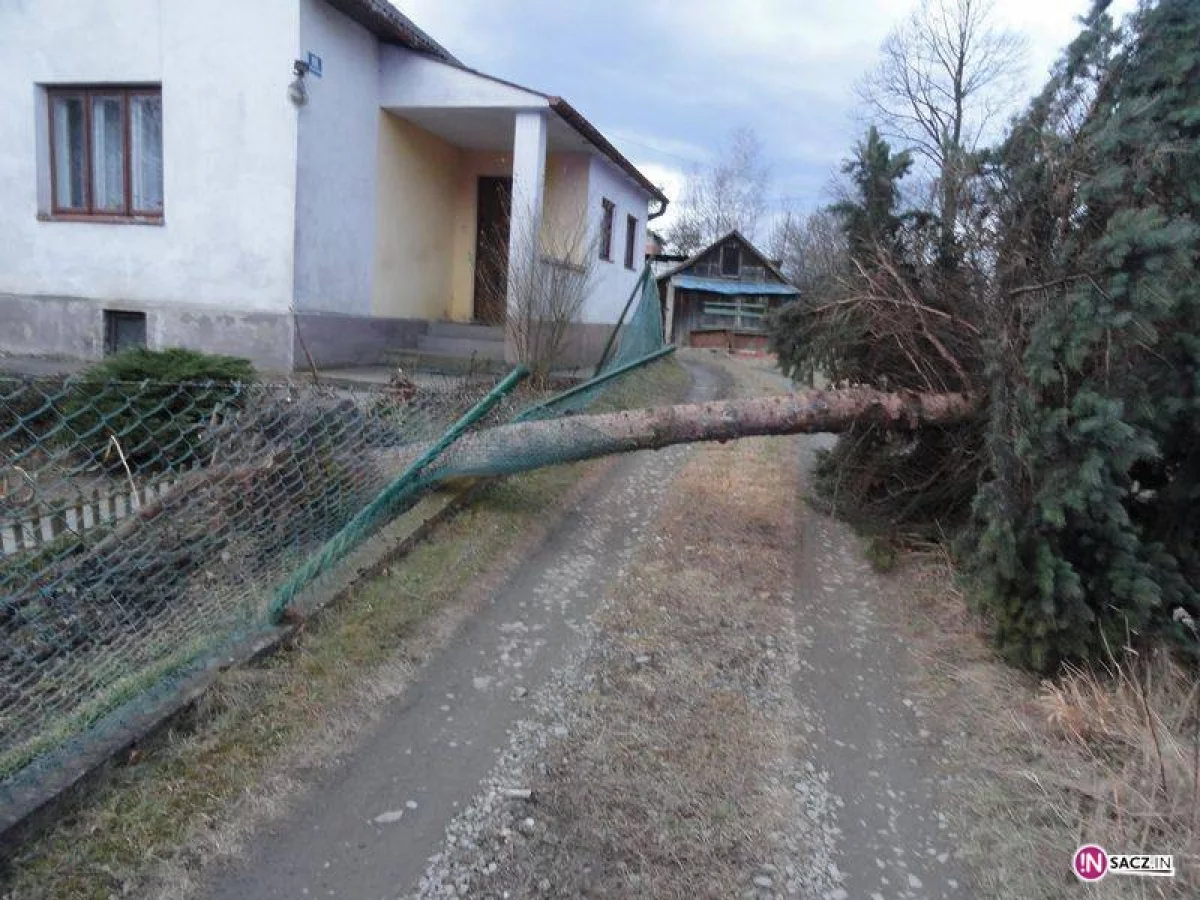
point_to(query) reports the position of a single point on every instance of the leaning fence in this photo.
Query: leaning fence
(148, 528)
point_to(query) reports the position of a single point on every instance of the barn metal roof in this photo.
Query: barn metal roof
(725, 286)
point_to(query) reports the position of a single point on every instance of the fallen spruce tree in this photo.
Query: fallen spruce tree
(522, 446)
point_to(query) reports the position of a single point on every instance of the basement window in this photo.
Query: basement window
(123, 330)
(105, 152)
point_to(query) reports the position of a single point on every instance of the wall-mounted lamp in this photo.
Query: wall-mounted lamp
(298, 90)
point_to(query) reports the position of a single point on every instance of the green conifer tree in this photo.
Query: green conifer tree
(1090, 516)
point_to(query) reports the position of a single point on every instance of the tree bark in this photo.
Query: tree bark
(520, 447)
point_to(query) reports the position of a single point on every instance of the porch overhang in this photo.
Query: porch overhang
(475, 111)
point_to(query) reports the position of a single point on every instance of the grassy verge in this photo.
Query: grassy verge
(1109, 755)
(194, 792)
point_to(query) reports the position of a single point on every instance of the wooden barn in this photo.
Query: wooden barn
(719, 297)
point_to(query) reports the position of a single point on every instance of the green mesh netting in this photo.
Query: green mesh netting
(147, 528)
(637, 339)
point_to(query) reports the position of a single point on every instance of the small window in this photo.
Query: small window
(731, 259)
(630, 240)
(123, 330)
(606, 230)
(106, 151)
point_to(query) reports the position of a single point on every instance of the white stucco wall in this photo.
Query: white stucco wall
(229, 139)
(612, 282)
(336, 179)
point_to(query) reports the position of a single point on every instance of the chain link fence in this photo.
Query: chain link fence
(147, 528)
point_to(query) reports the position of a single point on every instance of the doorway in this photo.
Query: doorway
(491, 249)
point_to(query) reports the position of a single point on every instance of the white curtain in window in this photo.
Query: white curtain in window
(146, 145)
(68, 152)
(108, 155)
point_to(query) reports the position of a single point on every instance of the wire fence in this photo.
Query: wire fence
(146, 528)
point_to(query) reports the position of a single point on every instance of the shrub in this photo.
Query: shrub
(155, 402)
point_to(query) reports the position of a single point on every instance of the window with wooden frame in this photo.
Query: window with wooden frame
(630, 240)
(106, 158)
(739, 313)
(606, 229)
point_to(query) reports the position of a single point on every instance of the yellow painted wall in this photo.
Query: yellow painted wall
(424, 264)
(564, 217)
(565, 199)
(416, 222)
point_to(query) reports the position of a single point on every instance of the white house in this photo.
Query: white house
(221, 174)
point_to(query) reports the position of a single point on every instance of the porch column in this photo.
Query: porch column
(529, 175)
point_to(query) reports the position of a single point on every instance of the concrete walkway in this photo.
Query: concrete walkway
(368, 828)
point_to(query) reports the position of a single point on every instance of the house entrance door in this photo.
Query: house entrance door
(491, 249)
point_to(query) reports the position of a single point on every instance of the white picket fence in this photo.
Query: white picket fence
(48, 523)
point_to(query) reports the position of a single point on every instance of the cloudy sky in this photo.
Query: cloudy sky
(666, 80)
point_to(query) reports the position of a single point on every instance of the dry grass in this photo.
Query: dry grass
(666, 791)
(197, 791)
(668, 786)
(1107, 755)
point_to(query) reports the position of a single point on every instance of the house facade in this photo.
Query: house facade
(719, 297)
(228, 175)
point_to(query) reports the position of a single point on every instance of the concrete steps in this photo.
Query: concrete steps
(463, 339)
(467, 330)
(454, 348)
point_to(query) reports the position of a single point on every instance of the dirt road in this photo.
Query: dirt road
(369, 828)
(693, 678)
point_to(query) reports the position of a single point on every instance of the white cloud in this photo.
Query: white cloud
(667, 81)
(670, 180)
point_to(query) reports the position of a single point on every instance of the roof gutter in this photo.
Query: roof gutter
(662, 208)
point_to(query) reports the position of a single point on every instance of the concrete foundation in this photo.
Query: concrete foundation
(583, 345)
(344, 341)
(73, 327)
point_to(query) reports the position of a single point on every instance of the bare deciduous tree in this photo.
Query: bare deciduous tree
(947, 75)
(550, 275)
(731, 194)
(812, 249)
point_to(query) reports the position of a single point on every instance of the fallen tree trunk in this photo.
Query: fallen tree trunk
(520, 447)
